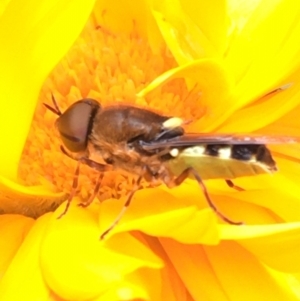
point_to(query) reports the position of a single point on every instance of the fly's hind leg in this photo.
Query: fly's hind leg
(232, 185)
(191, 171)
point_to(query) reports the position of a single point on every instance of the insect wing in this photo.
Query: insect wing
(192, 139)
(220, 156)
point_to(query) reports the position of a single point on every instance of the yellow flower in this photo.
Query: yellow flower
(169, 244)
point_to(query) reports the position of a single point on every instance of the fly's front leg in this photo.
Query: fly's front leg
(73, 190)
(191, 171)
(95, 165)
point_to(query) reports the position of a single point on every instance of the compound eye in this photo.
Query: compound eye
(75, 124)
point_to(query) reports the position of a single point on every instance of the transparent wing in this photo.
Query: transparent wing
(210, 138)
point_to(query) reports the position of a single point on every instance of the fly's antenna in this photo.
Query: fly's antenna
(54, 109)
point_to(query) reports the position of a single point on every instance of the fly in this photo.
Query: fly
(156, 147)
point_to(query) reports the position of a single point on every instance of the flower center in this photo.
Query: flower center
(110, 68)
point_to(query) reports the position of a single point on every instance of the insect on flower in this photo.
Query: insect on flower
(156, 147)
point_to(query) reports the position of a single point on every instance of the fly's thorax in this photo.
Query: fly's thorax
(122, 157)
(123, 123)
(222, 160)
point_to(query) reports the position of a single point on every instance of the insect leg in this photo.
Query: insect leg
(126, 205)
(232, 185)
(73, 190)
(177, 181)
(93, 164)
(95, 192)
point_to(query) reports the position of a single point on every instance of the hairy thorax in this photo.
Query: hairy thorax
(121, 156)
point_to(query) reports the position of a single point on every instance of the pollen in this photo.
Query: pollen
(111, 69)
(174, 152)
(173, 122)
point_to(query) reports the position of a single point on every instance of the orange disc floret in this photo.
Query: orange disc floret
(110, 68)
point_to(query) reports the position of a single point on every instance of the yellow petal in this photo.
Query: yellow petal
(3, 5)
(287, 158)
(288, 282)
(147, 280)
(214, 29)
(23, 277)
(275, 245)
(265, 111)
(288, 123)
(239, 13)
(210, 78)
(172, 286)
(266, 49)
(147, 285)
(215, 270)
(182, 35)
(230, 262)
(35, 38)
(152, 208)
(195, 270)
(90, 267)
(30, 201)
(126, 289)
(13, 230)
(230, 202)
(122, 16)
(280, 196)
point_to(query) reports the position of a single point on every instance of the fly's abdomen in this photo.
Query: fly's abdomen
(222, 161)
